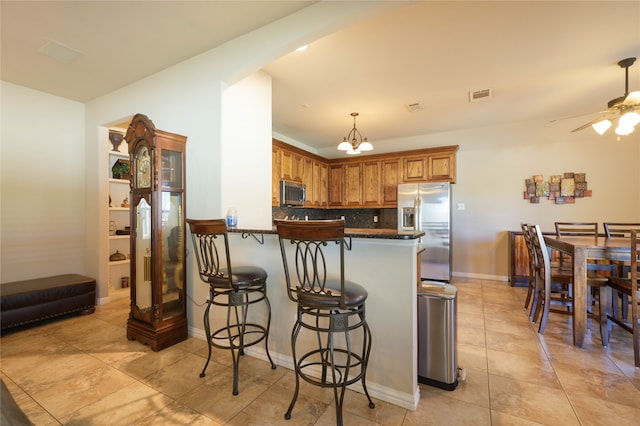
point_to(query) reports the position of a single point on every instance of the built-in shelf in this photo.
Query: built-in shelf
(119, 190)
(123, 181)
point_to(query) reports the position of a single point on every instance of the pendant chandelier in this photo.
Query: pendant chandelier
(353, 143)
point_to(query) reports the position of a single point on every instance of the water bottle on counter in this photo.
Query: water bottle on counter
(232, 218)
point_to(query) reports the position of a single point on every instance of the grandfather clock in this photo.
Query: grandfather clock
(158, 311)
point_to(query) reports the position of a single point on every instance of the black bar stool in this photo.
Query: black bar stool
(328, 307)
(235, 287)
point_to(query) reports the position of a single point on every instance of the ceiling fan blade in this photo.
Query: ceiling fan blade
(577, 115)
(632, 98)
(584, 126)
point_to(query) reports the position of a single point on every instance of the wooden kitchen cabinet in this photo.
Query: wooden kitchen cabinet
(307, 179)
(371, 184)
(441, 167)
(365, 181)
(275, 175)
(291, 166)
(290, 163)
(318, 195)
(336, 179)
(352, 184)
(286, 165)
(324, 185)
(414, 169)
(389, 187)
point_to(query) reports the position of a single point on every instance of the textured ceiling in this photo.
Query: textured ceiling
(542, 60)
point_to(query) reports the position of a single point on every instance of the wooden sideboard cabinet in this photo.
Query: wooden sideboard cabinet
(519, 269)
(518, 259)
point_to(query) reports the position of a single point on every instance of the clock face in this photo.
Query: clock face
(143, 168)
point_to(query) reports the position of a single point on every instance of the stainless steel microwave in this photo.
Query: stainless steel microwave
(292, 193)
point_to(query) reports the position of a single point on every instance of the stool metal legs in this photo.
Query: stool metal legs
(335, 363)
(238, 333)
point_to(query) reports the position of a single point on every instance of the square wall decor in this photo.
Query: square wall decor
(561, 189)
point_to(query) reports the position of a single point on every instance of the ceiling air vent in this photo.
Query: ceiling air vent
(479, 94)
(415, 107)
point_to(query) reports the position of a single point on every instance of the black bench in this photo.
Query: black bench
(25, 302)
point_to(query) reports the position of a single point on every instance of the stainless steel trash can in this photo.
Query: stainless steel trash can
(437, 352)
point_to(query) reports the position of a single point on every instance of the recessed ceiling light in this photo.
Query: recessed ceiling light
(302, 48)
(59, 51)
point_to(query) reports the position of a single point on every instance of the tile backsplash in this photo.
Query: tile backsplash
(354, 218)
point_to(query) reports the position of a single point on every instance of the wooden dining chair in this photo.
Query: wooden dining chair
(532, 293)
(556, 288)
(598, 272)
(551, 285)
(620, 229)
(576, 228)
(630, 285)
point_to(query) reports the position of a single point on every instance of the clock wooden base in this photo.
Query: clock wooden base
(157, 338)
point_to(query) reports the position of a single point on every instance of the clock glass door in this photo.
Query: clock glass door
(143, 256)
(172, 254)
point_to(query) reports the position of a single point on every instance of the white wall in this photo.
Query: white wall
(492, 166)
(246, 143)
(42, 185)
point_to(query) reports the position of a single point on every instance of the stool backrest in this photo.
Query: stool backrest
(304, 246)
(211, 246)
(577, 228)
(620, 229)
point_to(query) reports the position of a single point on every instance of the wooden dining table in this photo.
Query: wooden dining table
(582, 249)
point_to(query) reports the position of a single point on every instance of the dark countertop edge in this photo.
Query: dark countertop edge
(382, 234)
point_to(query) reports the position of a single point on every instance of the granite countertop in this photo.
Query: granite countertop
(386, 234)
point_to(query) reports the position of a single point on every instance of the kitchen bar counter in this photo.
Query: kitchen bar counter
(384, 261)
(385, 234)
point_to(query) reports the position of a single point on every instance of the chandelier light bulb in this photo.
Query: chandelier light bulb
(344, 145)
(601, 126)
(622, 130)
(365, 146)
(630, 119)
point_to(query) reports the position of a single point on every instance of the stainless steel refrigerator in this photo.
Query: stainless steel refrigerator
(427, 207)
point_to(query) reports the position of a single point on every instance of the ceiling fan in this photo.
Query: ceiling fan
(625, 107)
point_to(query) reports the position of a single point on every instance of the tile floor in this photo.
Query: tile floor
(82, 370)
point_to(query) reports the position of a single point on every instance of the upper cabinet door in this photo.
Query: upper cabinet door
(390, 176)
(371, 184)
(336, 184)
(442, 167)
(414, 169)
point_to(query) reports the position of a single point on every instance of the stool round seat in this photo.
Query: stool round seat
(354, 295)
(242, 277)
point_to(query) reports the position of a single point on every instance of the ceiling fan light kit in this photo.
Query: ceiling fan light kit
(354, 143)
(624, 108)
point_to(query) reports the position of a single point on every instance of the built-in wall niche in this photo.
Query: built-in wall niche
(561, 189)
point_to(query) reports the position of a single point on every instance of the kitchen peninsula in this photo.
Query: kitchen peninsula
(384, 261)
